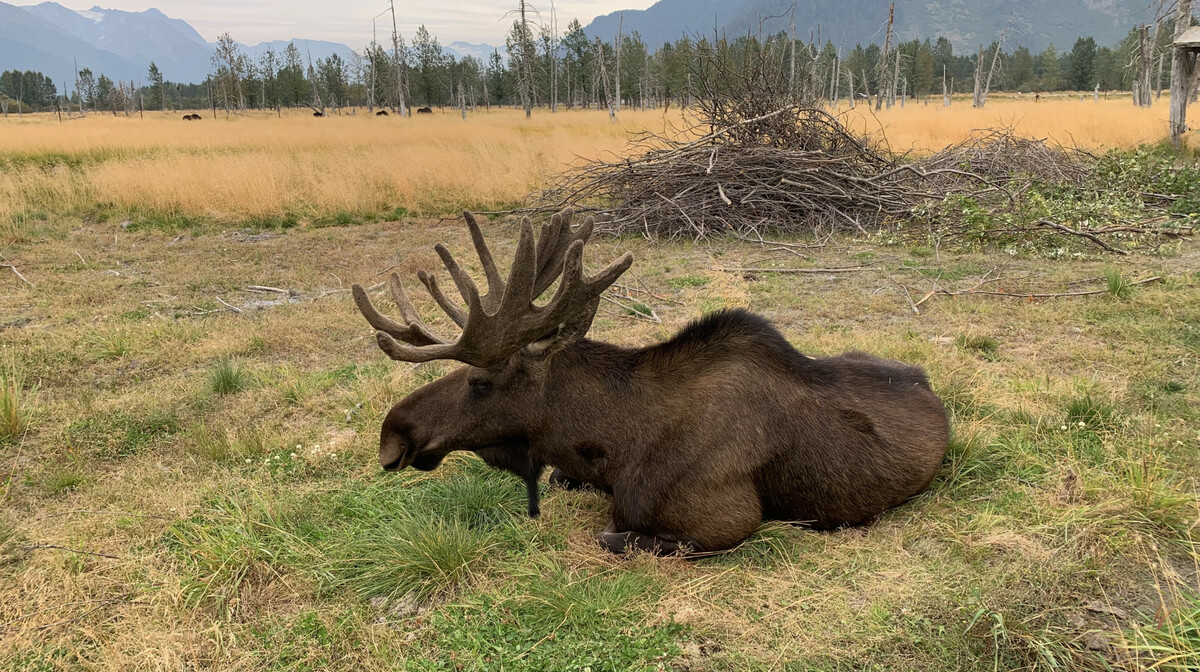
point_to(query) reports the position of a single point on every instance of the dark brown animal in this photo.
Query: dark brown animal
(698, 439)
(318, 114)
(191, 117)
(381, 113)
(424, 110)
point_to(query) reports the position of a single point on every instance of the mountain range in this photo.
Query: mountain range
(52, 39)
(966, 23)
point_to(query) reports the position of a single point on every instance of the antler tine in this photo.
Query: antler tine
(495, 284)
(576, 291)
(430, 281)
(466, 286)
(560, 238)
(414, 332)
(521, 279)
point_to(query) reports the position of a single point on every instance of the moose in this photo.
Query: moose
(381, 113)
(698, 439)
(424, 110)
(192, 117)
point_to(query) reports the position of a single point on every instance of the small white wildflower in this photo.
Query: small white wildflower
(333, 456)
(1064, 428)
(292, 455)
(298, 446)
(1082, 423)
(248, 460)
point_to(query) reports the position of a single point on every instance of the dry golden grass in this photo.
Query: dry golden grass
(1061, 118)
(256, 166)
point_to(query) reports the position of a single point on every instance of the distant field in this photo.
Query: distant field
(260, 170)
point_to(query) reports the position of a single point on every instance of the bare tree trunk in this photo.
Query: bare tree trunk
(987, 87)
(792, 70)
(979, 79)
(850, 86)
(553, 59)
(895, 79)
(617, 45)
(1182, 66)
(883, 70)
(401, 106)
(612, 113)
(945, 91)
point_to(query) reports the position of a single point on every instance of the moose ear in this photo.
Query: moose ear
(567, 333)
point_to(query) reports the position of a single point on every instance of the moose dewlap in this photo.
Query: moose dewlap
(698, 438)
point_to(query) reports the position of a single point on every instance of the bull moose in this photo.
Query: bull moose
(698, 438)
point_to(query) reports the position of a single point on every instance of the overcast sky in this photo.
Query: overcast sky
(349, 21)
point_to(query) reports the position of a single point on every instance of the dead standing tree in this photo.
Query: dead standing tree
(883, 69)
(1184, 70)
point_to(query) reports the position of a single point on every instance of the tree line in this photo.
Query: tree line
(543, 68)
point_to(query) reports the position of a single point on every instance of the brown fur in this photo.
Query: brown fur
(698, 439)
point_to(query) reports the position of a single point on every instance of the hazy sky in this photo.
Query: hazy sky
(349, 21)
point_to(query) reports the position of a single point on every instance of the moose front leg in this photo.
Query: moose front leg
(515, 459)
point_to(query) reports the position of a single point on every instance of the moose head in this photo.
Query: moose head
(698, 439)
(507, 342)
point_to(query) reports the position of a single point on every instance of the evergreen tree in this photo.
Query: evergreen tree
(155, 78)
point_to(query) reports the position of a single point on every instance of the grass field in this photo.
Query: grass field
(267, 172)
(186, 487)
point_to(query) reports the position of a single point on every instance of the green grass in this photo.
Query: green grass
(201, 452)
(109, 345)
(228, 376)
(1117, 284)
(16, 406)
(986, 347)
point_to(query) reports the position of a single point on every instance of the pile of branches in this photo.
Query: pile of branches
(1000, 155)
(796, 169)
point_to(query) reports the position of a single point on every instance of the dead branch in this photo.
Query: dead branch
(38, 547)
(1082, 234)
(843, 269)
(18, 274)
(233, 309)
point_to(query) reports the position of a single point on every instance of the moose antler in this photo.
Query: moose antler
(505, 319)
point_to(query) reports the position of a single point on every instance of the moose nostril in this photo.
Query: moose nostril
(394, 465)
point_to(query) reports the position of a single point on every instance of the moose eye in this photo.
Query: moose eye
(480, 386)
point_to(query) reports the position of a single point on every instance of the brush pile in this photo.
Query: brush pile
(795, 169)
(1001, 156)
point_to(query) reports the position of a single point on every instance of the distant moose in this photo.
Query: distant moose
(424, 110)
(381, 113)
(192, 117)
(698, 439)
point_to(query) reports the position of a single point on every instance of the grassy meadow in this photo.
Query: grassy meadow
(188, 486)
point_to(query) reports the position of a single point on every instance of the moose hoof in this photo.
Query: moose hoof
(625, 542)
(559, 478)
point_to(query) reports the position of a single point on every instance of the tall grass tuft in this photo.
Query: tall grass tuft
(408, 555)
(15, 406)
(1117, 284)
(228, 377)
